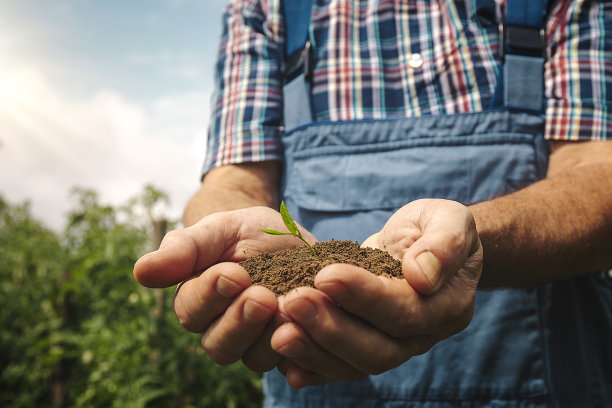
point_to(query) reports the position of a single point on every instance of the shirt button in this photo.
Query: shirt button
(415, 61)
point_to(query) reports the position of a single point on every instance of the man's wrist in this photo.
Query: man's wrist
(233, 187)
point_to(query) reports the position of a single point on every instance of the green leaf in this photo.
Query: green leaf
(291, 225)
(275, 232)
(287, 219)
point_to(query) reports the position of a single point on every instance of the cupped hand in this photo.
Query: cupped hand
(355, 323)
(215, 296)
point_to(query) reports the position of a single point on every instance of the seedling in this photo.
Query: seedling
(291, 226)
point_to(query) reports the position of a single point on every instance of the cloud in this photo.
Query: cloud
(50, 143)
(186, 66)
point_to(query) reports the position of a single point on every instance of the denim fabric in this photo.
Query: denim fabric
(523, 77)
(540, 346)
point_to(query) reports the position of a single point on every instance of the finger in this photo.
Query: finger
(298, 378)
(447, 240)
(228, 338)
(389, 304)
(260, 357)
(294, 344)
(348, 337)
(200, 300)
(393, 306)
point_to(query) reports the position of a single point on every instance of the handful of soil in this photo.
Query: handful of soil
(285, 270)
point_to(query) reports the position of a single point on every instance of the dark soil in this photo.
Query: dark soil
(285, 270)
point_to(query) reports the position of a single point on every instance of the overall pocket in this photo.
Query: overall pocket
(361, 172)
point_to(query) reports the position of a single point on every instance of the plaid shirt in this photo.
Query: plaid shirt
(389, 58)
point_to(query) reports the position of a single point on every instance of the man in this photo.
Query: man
(400, 94)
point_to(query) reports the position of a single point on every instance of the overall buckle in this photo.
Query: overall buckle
(522, 40)
(301, 59)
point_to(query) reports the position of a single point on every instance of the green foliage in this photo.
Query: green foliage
(291, 226)
(78, 331)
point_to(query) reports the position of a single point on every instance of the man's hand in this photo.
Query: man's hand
(215, 297)
(355, 324)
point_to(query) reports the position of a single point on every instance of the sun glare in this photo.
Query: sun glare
(17, 83)
(17, 94)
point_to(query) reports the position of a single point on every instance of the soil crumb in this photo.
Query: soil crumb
(285, 270)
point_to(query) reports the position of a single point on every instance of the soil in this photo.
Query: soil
(285, 270)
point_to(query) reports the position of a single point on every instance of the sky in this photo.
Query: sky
(104, 94)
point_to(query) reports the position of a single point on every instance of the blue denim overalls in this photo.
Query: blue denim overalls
(546, 345)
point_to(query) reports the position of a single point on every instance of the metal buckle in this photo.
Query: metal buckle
(298, 60)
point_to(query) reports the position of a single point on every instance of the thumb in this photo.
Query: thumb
(445, 246)
(223, 236)
(173, 262)
(182, 253)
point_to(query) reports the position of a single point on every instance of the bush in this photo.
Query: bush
(77, 330)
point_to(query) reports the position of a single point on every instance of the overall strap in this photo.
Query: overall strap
(522, 46)
(297, 20)
(297, 108)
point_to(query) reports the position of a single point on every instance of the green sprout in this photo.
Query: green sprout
(291, 226)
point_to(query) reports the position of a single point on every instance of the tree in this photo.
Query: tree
(31, 269)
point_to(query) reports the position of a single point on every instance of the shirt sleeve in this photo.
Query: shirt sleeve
(578, 71)
(246, 122)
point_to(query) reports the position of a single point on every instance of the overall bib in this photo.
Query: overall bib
(546, 345)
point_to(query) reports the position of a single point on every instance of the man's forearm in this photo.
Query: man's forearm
(233, 187)
(557, 228)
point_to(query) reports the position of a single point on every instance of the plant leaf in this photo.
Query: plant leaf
(275, 232)
(291, 225)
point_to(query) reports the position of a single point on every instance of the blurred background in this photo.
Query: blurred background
(104, 107)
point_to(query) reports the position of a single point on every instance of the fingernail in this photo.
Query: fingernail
(430, 265)
(302, 310)
(254, 312)
(227, 288)
(292, 349)
(281, 317)
(336, 290)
